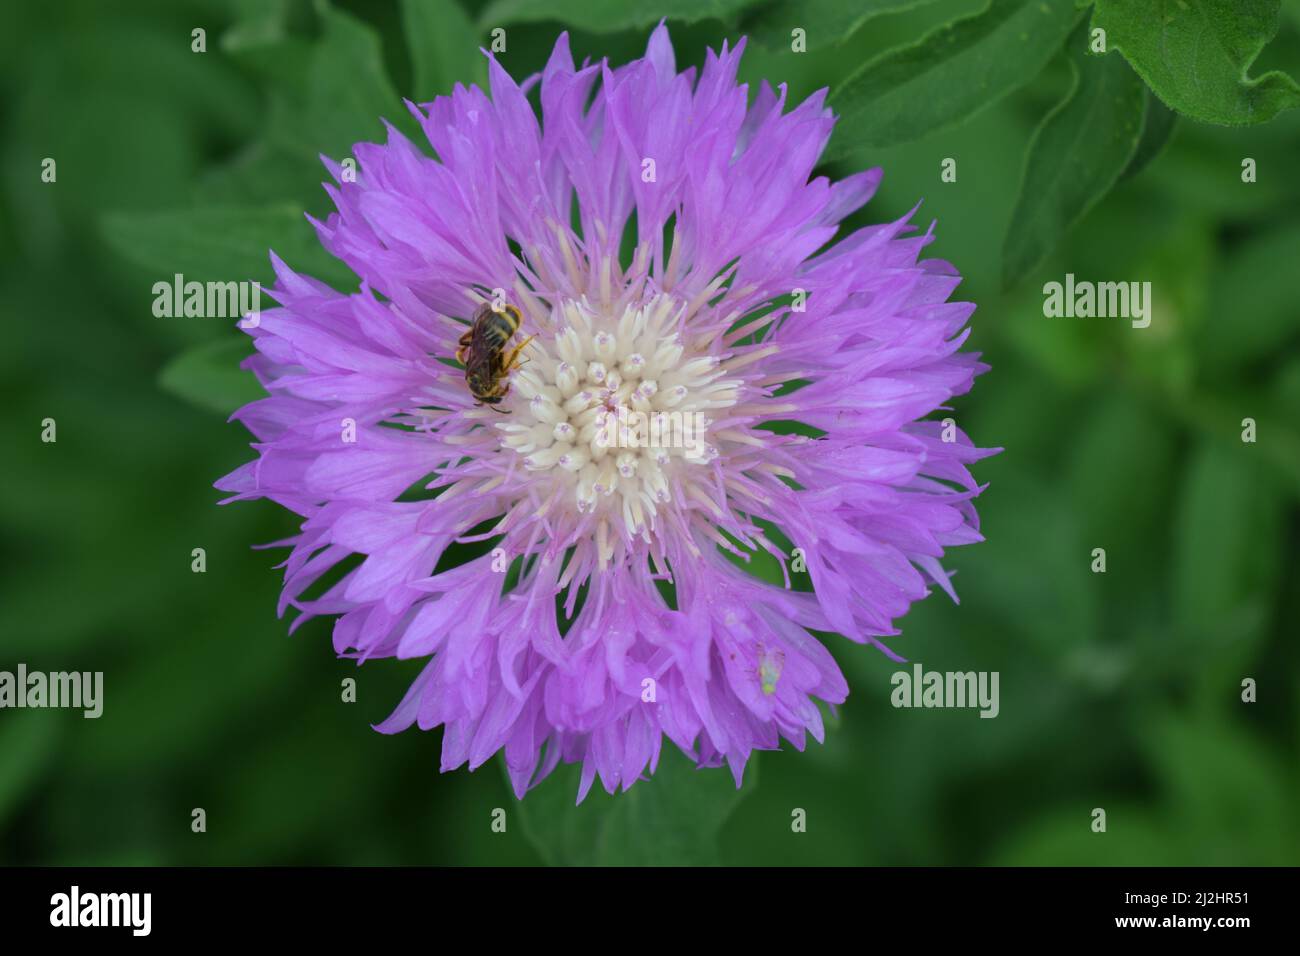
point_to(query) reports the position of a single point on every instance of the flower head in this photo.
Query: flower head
(711, 379)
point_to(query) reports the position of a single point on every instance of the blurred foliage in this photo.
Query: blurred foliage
(1076, 155)
(950, 74)
(674, 822)
(1119, 690)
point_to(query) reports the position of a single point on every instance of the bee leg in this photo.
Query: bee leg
(464, 343)
(510, 360)
(501, 391)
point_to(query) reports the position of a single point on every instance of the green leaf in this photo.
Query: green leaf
(1285, 392)
(209, 375)
(1228, 793)
(670, 818)
(1158, 122)
(607, 16)
(1075, 156)
(950, 74)
(340, 95)
(1135, 836)
(1220, 414)
(824, 22)
(1121, 498)
(1196, 55)
(444, 47)
(200, 711)
(1034, 566)
(1227, 558)
(1224, 800)
(1253, 314)
(258, 23)
(225, 243)
(262, 172)
(1202, 175)
(1228, 536)
(27, 745)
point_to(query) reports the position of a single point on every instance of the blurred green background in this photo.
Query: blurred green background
(1119, 690)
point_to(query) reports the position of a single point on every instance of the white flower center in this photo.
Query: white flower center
(614, 408)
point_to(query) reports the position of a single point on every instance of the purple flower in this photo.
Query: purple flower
(669, 254)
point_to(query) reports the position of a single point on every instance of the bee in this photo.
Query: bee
(483, 352)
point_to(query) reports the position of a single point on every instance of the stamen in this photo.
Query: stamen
(613, 414)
